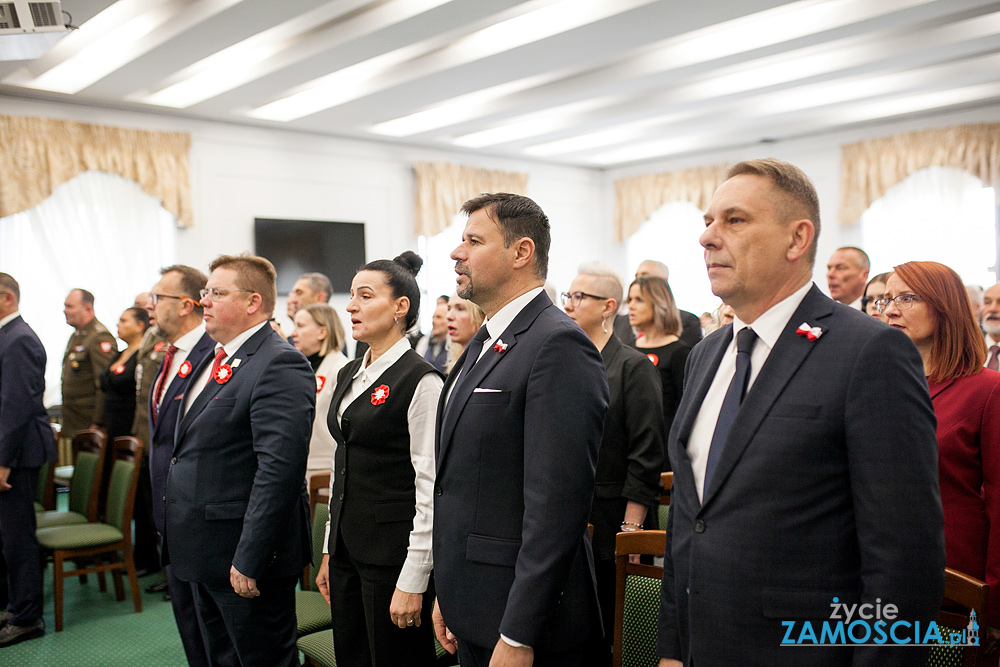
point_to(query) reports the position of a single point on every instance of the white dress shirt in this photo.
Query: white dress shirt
(420, 417)
(232, 347)
(768, 328)
(7, 320)
(184, 345)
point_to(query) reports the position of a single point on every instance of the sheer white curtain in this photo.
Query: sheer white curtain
(671, 236)
(97, 231)
(939, 214)
(437, 275)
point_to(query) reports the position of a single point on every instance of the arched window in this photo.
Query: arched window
(97, 231)
(938, 214)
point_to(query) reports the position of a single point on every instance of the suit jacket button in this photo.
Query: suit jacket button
(173, 460)
(343, 471)
(699, 526)
(341, 496)
(438, 490)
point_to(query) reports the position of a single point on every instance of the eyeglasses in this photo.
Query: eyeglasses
(577, 297)
(217, 294)
(903, 302)
(156, 297)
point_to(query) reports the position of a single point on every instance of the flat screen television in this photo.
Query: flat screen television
(335, 249)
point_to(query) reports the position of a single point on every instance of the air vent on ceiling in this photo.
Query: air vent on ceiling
(20, 16)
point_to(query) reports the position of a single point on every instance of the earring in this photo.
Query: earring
(604, 324)
(395, 320)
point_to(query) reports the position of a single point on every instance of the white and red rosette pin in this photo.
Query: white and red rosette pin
(380, 394)
(320, 383)
(105, 346)
(185, 369)
(811, 333)
(655, 359)
(119, 369)
(500, 346)
(224, 373)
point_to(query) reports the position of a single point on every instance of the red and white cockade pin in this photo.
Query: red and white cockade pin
(224, 373)
(119, 369)
(655, 359)
(501, 346)
(380, 394)
(812, 333)
(320, 383)
(105, 346)
(185, 369)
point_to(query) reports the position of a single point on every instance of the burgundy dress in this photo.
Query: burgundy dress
(968, 434)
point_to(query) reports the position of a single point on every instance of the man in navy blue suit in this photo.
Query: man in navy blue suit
(236, 514)
(804, 456)
(177, 307)
(519, 426)
(26, 442)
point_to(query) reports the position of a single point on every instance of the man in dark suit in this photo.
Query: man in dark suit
(690, 324)
(236, 514)
(519, 427)
(178, 311)
(805, 461)
(26, 442)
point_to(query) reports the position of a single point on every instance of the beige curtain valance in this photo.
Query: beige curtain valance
(442, 188)
(39, 154)
(638, 197)
(869, 168)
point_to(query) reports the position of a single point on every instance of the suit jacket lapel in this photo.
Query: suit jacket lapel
(789, 352)
(338, 395)
(460, 396)
(177, 385)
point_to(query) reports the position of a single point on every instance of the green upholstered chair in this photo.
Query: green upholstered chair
(88, 462)
(663, 511)
(964, 596)
(312, 613)
(637, 598)
(318, 650)
(45, 491)
(97, 542)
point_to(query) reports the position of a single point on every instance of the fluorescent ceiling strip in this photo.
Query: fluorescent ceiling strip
(280, 47)
(855, 113)
(362, 79)
(530, 125)
(105, 44)
(740, 35)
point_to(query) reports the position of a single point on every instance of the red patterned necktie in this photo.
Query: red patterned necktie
(994, 363)
(161, 380)
(219, 356)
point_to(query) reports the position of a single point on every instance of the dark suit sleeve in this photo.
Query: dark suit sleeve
(989, 443)
(281, 416)
(643, 402)
(22, 373)
(892, 459)
(565, 404)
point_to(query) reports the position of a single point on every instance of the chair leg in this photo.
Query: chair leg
(132, 578)
(57, 572)
(116, 575)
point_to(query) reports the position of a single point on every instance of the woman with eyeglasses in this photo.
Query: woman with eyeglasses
(464, 320)
(929, 303)
(319, 335)
(873, 292)
(631, 455)
(653, 313)
(376, 570)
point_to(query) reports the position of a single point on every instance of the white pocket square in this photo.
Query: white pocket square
(483, 390)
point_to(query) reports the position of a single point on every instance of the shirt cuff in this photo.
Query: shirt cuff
(413, 577)
(510, 641)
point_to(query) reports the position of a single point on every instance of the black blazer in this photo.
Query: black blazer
(161, 434)
(235, 492)
(826, 488)
(631, 456)
(26, 439)
(515, 482)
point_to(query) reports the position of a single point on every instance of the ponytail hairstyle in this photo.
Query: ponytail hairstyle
(401, 276)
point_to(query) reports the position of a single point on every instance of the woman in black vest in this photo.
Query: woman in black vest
(376, 574)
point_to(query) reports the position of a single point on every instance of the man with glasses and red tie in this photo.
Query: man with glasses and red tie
(235, 507)
(178, 314)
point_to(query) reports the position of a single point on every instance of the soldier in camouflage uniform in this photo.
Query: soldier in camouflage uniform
(91, 349)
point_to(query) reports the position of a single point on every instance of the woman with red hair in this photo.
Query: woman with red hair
(928, 301)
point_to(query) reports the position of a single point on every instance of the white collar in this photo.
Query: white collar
(187, 342)
(7, 320)
(769, 326)
(497, 324)
(377, 367)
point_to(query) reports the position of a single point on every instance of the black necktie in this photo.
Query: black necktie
(731, 405)
(475, 349)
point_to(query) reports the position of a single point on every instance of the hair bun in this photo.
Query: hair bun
(410, 261)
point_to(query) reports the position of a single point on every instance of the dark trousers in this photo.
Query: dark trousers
(360, 595)
(20, 555)
(146, 555)
(187, 617)
(249, 632)
(597, 651)
(471, 655)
